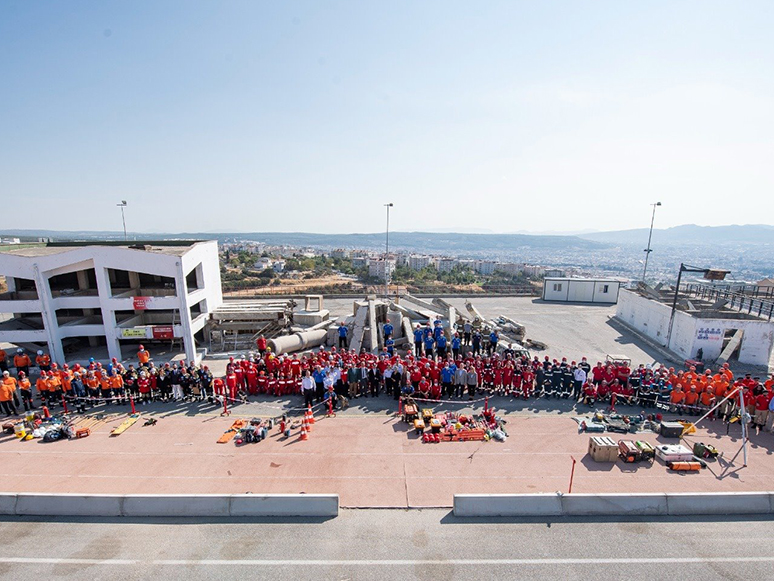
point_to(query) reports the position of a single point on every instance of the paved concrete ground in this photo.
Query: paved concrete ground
(365, 455)
(395, 544)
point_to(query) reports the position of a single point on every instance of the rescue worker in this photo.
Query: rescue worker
(25, 388)
(7, 393)
(43, 361)
(143, 356)
(21, 362)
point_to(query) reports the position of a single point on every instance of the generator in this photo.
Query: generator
(628, 451)
(646, 450)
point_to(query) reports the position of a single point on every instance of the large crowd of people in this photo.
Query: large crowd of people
(464, 371)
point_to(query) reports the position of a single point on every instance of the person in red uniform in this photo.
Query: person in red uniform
(251, 375)
(231, 384)
(260, 343)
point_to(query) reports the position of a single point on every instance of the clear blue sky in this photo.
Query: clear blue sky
(308, 116)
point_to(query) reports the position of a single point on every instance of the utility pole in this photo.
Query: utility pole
(122, 205)
(387, 252)
(650, 236)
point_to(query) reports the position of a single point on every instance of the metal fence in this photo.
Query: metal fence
(759, 306)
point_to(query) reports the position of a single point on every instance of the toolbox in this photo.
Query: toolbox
(672, 429)
(419, 425)
(435, 425)
(603, 449)
(674, 453)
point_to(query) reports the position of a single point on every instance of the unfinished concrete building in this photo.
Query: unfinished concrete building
(68, 297)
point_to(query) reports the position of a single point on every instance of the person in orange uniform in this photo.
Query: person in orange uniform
(707, 400)
(26, 392)
(7, 391)
(3, 360)
(691, 399)
(42, 386)
(54, 387)
(43, 361)
(677, 399)
(143, 356)
(21, 362)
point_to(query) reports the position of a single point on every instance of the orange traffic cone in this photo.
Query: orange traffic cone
(310, 413)
(307, 423)
(304, 434)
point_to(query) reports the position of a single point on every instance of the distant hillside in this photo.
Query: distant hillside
(690, 234)
(416, 241)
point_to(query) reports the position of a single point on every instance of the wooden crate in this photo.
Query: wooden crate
(603, 449)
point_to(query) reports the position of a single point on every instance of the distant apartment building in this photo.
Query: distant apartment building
(446, 264)
(359, 261)
(278, 266)
(485, 267)
(262, 263)
(511, 268)
(534, 270)
(340, 253)
(401, 258)
(418, 261)
(554, 272)
(380, 268)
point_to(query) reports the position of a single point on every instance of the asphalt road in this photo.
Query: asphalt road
(388, 544)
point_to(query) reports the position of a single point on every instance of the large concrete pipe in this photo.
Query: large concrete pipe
(297, 341)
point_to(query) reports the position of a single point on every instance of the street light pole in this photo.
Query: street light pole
(122, 205)
(650, 236)
(387, 252)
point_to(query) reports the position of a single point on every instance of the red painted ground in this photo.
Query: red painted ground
(370, 461)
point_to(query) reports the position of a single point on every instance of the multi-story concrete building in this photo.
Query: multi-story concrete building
(71, 296)
(381, 268)
(418, 261)
(485, 267)
(446, 264)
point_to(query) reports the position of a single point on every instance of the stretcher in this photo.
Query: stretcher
(125, 425)
(231, 432)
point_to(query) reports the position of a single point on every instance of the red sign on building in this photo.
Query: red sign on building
(141, 303)
(163, 332)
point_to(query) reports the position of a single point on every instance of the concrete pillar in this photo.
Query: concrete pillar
(108, 314)
(134, 279)
(48, 313)
(189, 345)
(83, 279)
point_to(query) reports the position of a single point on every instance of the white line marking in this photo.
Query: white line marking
(382, 562)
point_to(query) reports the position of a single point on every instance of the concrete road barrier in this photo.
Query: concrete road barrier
(176, 505)
(728, 503)
(68, 504)
(169, 505)
(285, 505)
(507, 505)
(614, 504)
(657, 504)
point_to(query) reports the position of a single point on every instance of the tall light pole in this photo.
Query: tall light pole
(650, 236)
(387, 252)
(122, 205)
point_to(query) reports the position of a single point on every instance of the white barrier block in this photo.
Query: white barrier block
(39, 504)
(195, 505)
(507, 505)
(8, 503)
(285, 505)
(725, 503)
(614, 504)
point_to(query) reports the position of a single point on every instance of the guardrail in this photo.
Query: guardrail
(759, 306)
